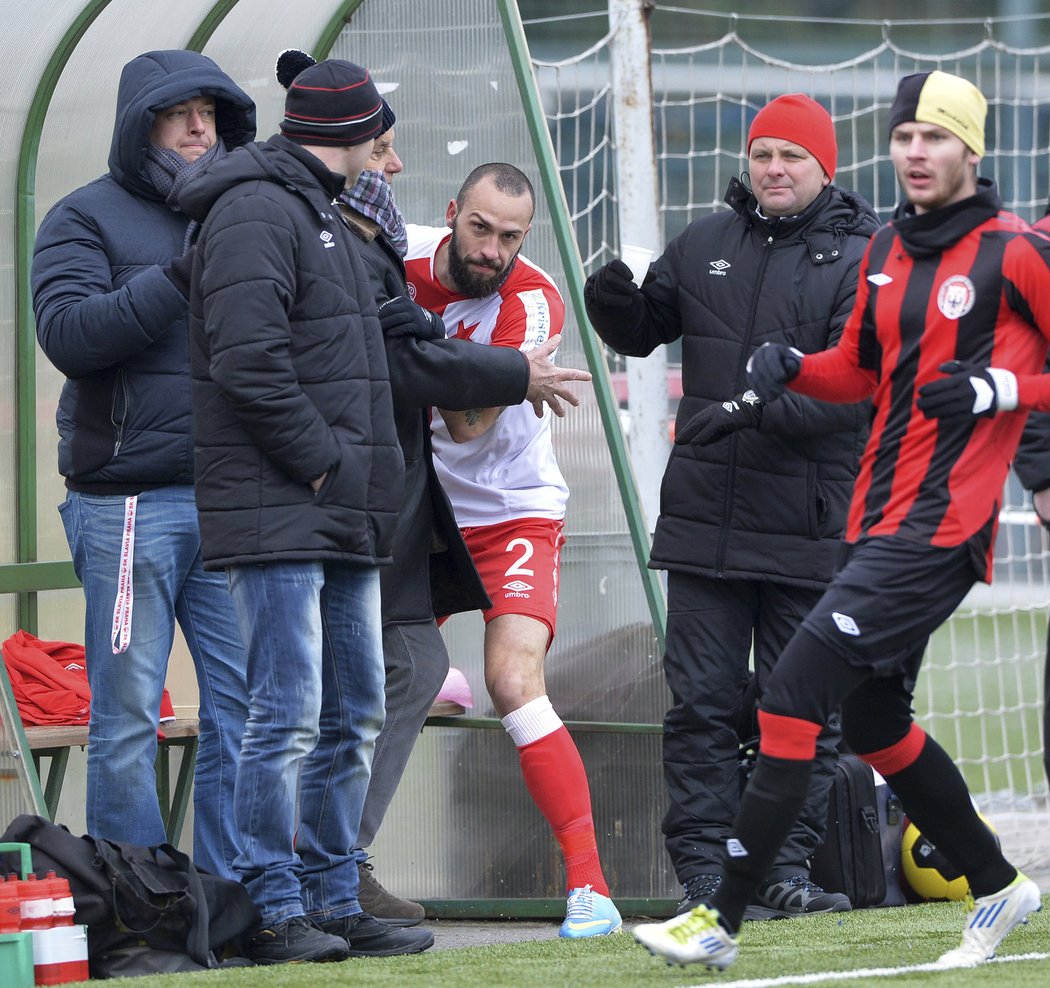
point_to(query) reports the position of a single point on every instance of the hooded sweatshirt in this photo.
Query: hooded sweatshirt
(107, 317)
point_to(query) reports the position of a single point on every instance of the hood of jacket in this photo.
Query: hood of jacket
(276, 160)
(157, 80)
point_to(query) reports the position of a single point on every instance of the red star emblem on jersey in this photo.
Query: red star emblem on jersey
(464, 332)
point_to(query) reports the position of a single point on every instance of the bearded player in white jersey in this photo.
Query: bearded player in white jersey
(498, 467)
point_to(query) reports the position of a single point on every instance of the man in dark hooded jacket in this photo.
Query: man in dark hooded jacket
(753, 504)
(111, 316)
(299, 480)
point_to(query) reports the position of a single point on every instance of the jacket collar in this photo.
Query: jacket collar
(924, 234)
(330, 182)
(741, 199)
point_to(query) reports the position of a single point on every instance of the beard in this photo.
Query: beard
(469, 282)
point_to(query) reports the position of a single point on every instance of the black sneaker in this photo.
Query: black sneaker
(368, 937)
(795, 896)
(293, 941)
(384, 905)
(698, 891)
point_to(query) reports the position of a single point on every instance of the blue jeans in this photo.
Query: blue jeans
(316, 692)
(166, 583)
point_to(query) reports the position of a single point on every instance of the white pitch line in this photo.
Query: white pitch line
(869, 972)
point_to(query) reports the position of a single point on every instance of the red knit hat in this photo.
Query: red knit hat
(802, 121)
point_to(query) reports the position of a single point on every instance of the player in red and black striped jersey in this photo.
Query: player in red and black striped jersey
(948, 336)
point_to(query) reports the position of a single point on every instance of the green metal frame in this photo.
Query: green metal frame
(32, 577)
(573, 726)
(28, 576)
(25, 384)
(573, 267)
(334, 27)
(210, 24)
(174, 802)
(13, 724)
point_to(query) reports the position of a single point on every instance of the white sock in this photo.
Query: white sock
(532, 721)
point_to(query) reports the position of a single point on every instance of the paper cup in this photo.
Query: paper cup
(637, 259)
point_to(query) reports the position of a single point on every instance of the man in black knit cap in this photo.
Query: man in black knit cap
(298, 479)
(950, 286)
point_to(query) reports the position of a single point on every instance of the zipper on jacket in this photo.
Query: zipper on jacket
(118, 421)
(727, 507)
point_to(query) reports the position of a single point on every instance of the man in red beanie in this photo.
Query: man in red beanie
(754, 502)
(952, 283)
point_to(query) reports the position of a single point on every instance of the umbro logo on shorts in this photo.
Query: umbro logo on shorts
(518, 588)
(845, 624)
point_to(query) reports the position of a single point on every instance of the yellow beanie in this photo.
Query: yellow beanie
(944, 100)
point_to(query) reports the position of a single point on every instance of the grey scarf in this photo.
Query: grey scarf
(170, 173)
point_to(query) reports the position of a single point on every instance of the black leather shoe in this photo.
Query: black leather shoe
(368, 937)
(293, 941)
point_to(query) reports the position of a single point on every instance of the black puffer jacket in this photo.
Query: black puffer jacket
(432, 572)
(106, 315)
(1032, 459)
(771, 503)
(289, 370)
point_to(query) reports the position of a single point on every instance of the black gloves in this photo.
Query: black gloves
(611, 286)
(721, 419)
(178, 271)
(400, 316)
(771, 366)
(968, 390)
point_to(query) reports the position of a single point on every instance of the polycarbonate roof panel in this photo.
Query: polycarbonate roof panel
(74, 147)
(245, 43)
(272, 27)
(75, 137)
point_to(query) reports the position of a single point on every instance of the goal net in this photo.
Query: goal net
(981, 694)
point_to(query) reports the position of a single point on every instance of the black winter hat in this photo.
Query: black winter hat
(292, 61)
(332, 103)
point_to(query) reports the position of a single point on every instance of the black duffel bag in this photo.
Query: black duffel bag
(146, 909)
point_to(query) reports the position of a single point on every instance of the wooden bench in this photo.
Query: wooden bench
(54, 743)
(446, 708)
